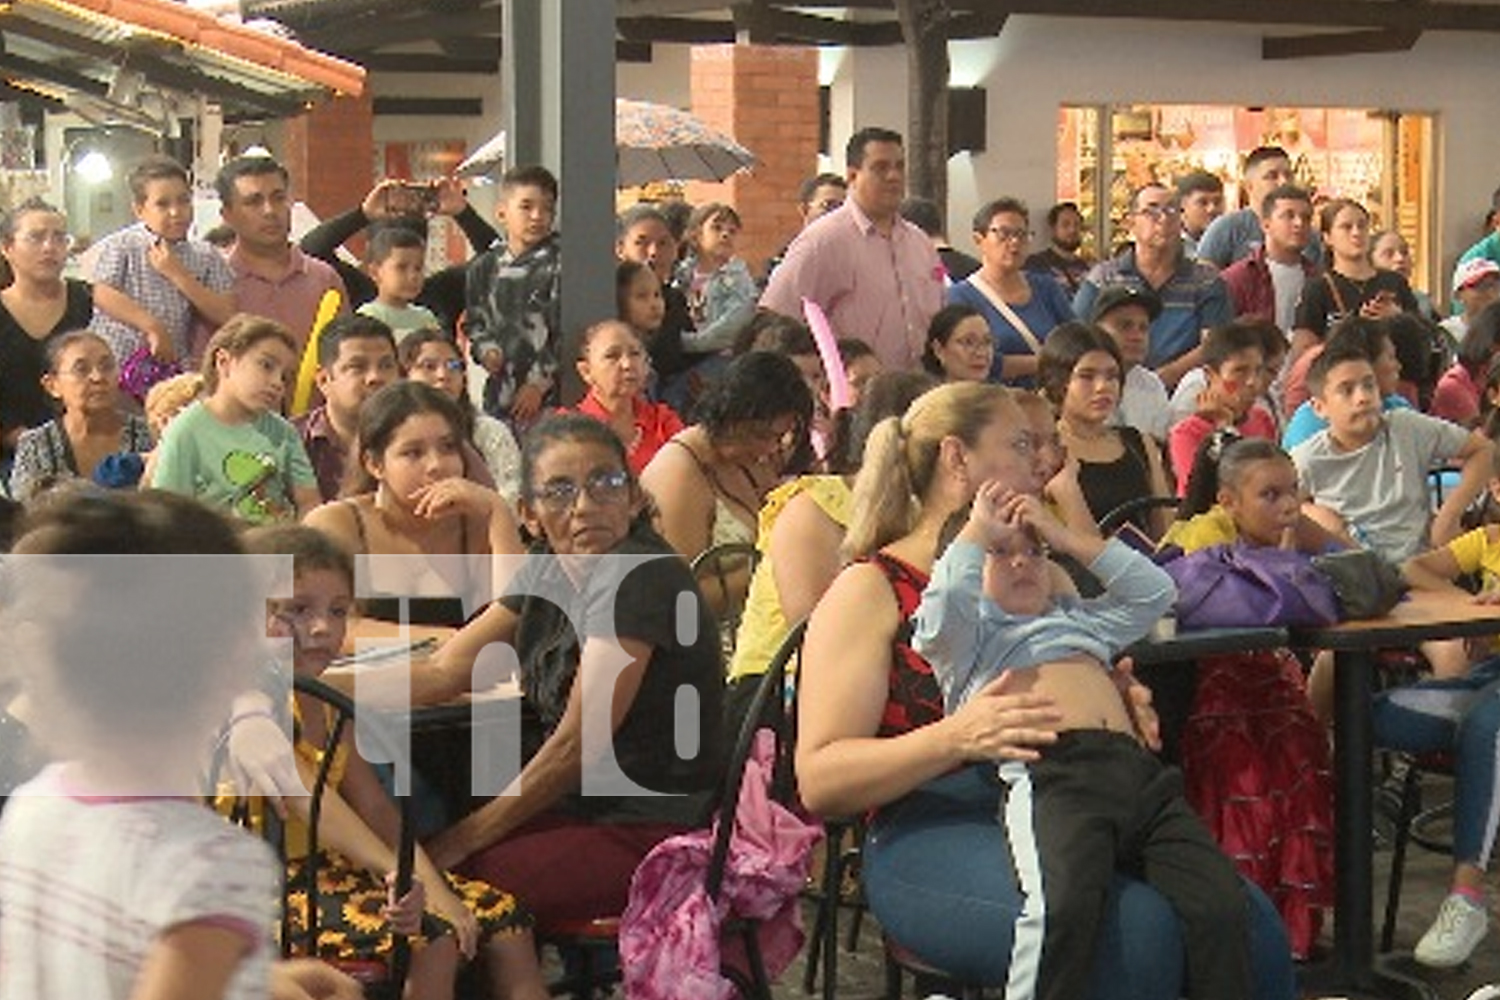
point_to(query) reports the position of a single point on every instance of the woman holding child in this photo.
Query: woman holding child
(873, 737)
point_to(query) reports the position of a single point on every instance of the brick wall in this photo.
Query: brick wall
(766, 97)
(330, 154)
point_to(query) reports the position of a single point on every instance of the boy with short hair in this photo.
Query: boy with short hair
(397, 260)
(356, 357)
(152, 284)
(514, 310)
(1365, 474)
(1234, 361)
(1096, 801)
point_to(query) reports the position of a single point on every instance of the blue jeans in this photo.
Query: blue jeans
(1460, 716)
(938, 877)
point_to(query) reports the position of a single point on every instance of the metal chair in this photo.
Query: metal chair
(1412, 824)
(380, 979)
(723, 574)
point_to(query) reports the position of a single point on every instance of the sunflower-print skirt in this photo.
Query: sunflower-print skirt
(350, 898)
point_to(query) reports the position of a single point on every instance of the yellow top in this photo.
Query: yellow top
(1213, 527)
(295, 829)
(763, 625)
(1478, 551)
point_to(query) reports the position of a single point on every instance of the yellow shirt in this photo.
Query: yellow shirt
(763, 625)
(1478, 551)
(1213, 527)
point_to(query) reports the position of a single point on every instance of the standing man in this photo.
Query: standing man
(1193, 299)
(1267, 284)
(272, 277)
(1231, 237)
(876, 275)
(1201, 195)
(1063, 258)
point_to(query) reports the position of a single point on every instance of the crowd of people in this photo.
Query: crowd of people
(944, 479)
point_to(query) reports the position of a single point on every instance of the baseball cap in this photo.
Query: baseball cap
(1472, 271)
(1115, 296)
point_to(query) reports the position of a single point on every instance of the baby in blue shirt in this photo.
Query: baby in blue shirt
(1097, 801)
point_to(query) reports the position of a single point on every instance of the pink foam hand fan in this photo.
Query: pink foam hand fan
(840, 395)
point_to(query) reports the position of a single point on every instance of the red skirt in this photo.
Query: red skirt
(1256, 765)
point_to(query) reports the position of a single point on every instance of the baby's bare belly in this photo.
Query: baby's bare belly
(1084, 692)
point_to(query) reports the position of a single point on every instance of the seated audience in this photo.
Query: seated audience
(92, 437)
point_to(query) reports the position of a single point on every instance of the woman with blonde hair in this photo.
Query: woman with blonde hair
(873, 738)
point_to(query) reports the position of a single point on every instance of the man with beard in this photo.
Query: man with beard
(1062, 258)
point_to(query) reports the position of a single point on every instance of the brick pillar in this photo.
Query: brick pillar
(330, 154)
(766, 97)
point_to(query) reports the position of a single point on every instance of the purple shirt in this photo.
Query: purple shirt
(292, 299)
(881, 289)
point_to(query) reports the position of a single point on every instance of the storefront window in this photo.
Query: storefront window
(1379, 158)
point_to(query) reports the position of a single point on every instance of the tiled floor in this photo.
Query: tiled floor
(861, 973)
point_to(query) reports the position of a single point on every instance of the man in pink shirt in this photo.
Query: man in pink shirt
(876, 275)
(272, 277)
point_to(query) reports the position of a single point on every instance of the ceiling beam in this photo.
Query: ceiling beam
(680, 30)
(369, 34)
(1342, 43)
(1320, 13)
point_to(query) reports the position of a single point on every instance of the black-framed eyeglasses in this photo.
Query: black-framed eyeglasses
(1157, 213)
(1009, 234)
(559, 495)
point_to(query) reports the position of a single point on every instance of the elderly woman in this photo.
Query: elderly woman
(873, 738)
(568, 835)
(1020, 306)
(92, 437)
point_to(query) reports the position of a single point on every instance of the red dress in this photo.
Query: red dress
(1256, 768)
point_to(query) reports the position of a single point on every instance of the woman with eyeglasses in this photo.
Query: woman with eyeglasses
(960, 347)
(752, 426)
(37, 305)
(1020, 306)
(591, 602)
(431, 357)
(91, 435)
(614, 365)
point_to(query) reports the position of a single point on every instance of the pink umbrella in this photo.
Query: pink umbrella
(655, 142)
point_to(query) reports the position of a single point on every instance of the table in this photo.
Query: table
(1196, 643)
(492, 715)
(1422, 616)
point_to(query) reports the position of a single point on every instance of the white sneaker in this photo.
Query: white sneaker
(1490, 992)
(1453, 936)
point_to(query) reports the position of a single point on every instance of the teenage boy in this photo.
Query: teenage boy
(152, 284)
(1365, 475)
(1201, 195)
(1126, 314)
(397, 260)
(356, 357)
(1267, 284)
(514, 310)
(1232, 236)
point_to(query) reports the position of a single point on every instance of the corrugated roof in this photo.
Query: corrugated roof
(79, 46)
